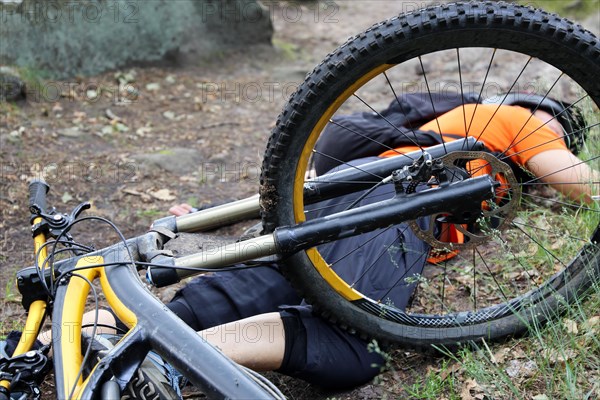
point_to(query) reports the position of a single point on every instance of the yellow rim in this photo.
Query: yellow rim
(324, 269)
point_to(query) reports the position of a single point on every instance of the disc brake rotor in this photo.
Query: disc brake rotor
(494, 213)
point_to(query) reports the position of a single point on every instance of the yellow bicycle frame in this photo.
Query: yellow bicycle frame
(37, 310)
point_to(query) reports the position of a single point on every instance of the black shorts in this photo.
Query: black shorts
(316, 351)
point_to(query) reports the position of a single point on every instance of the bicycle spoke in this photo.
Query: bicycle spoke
(492, 275)
(381, 254)
(462, 93)
(479, 97)
(474, 294)
(432, 103)
(345, 163)
(505, 96)
(331, 121)
(388, 122)
(410, 126)
(511, 144)
(503, 252)
(360, 246)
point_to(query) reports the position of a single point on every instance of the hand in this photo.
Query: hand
(181, 209)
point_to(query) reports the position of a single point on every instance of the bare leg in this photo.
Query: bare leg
(256, 342)
(104, 318)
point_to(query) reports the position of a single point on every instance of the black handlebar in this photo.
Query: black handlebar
(37, 197)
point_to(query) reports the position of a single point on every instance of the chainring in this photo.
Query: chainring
(495, 213)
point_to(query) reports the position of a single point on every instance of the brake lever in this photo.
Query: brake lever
(56, 224)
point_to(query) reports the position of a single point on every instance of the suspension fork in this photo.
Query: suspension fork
(33, 301)
(454, 199)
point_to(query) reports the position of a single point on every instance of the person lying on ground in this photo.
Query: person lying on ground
(295, 341)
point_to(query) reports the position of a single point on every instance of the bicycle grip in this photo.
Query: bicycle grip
(37, 196)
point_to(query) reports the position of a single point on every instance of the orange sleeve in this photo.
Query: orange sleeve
(500, 127)
(532, 138)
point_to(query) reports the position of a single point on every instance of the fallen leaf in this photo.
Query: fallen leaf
(111, 115)
(66, 197)
(592, 323)
(125, 77)
(91, 94)
(559, 356)
(143, 130)
(153, 87)
(79, 115)
(122, 127)
(570, 326)
(500, 355)
(134, 192)
(469, 386)
(163, 194)
(540, 397)
(454, 368)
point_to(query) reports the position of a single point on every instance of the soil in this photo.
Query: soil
(137, 141)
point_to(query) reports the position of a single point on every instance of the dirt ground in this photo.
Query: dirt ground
(136, 141)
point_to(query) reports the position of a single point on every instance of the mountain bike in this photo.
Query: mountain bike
(526, 252)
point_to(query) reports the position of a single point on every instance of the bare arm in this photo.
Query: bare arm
(566, 173)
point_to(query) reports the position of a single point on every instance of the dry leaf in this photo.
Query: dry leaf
(469, 386)
(592, 323)
(570, 326)
(153, 87)
(500, 355)
(559, 357)
(454, 368)
(133, 192)
(169, 115)
(163, 194)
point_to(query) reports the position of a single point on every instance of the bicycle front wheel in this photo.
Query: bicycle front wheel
(511, 269)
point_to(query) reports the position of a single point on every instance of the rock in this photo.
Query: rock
(518, 369)
(178, 161)
(73, 132)
(12, 87)
(169, 115)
